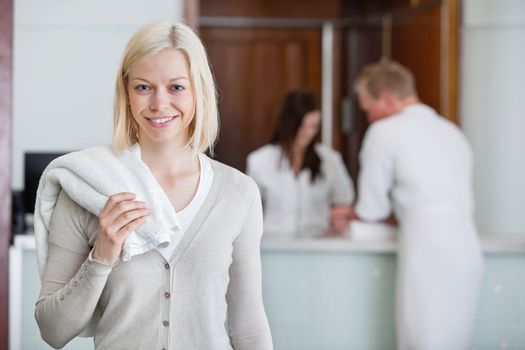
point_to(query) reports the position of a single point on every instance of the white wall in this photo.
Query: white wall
(493, 109)
(66, 54)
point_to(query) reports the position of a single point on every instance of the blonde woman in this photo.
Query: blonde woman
(201, 291)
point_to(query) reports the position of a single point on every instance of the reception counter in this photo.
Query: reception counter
(326, 293)
(338, 293)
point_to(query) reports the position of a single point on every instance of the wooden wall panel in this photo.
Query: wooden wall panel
(360, 9)
(426, 40)
(277, 8)
(6, 54)
(337, 88)
(423, 37)
(416, 43)
(361, 46)
(450, 39)
(254, 69)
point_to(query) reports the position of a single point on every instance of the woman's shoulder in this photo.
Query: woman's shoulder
(69, 212)
(233, 178)
(64, 203)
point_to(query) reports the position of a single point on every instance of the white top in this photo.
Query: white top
(414, 161)
(187, 214)
(419, 165)
(293, 205)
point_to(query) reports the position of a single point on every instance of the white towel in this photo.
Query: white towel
(89, 177)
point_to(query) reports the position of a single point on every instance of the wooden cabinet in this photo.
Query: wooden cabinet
(260, 58)
(425, 40)
(272, 8)
(423, 37)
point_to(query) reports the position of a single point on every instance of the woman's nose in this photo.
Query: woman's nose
(160, 100)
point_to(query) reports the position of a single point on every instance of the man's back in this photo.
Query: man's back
(419, 165)
(425, 160)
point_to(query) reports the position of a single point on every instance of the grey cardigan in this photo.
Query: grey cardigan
(207, 297)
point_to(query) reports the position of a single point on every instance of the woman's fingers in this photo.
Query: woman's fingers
(126, 230)
(121, 210)
(108, 219)
(114, 200)
(120, 216)
(127, 217)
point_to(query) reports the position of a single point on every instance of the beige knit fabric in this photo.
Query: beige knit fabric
(207, 297)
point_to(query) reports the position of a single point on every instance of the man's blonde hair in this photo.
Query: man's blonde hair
(153, 39)
(388, 76)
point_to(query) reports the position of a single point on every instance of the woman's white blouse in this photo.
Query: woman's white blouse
(293, 205)
(187, 214)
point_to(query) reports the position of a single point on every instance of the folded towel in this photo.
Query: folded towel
(89, 177)
(371, 231)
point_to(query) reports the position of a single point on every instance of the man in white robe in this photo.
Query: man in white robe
(417, 165)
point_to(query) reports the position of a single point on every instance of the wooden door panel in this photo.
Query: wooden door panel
(272, 8)
(362, 46)
(6, 59)
(254, 69)
(416, 43)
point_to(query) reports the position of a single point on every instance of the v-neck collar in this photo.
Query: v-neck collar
(216, 187)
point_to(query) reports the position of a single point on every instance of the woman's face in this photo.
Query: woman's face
(161, 97)
(309, 129)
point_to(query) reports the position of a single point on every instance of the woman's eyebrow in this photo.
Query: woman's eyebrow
(179, 78)
(172, 79)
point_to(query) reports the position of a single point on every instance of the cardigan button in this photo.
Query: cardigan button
(167, 295)
(167, 266)
(165, 323)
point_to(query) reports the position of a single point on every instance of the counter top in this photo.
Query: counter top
(363, 237)
(491, 243)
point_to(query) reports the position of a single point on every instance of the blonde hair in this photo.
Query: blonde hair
(386, 76)
(152, 39)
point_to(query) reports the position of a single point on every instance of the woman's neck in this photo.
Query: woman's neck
(167, 159)
(297, 153)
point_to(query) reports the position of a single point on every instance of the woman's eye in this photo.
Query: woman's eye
(142, 88)
(177, 87)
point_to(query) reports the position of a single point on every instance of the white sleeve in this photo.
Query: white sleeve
(376, 178)
(342, 187)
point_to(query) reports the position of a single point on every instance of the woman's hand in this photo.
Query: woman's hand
(340, 217)
(120, 216)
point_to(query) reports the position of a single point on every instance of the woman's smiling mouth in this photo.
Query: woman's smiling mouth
(160, 122)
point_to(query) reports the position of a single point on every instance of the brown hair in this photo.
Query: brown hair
(386, 76)
(295, 106)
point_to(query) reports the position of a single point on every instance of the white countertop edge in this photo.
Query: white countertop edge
(491, 243)
(331, 244)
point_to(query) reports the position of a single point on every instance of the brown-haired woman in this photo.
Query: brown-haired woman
(300, 179)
